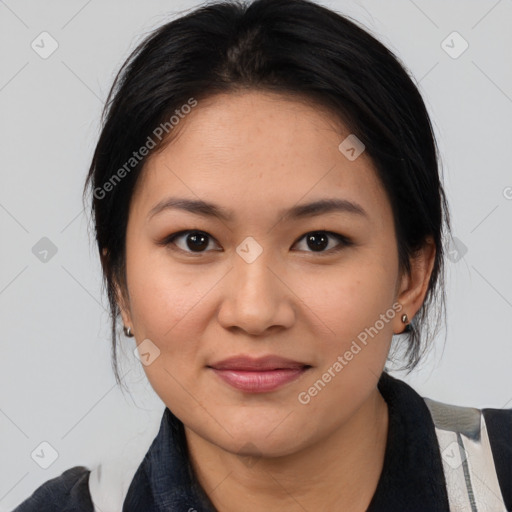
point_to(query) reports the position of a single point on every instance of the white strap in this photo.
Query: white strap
(109, 481)
(468, 463)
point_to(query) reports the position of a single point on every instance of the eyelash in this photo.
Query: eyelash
(342, 240)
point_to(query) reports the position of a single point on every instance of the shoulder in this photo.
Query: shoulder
(500, 422)
(484, 439)
(68, 492)
(499, 427)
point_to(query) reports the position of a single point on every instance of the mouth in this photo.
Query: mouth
(258, 375)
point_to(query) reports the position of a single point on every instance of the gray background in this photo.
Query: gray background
(56, 383)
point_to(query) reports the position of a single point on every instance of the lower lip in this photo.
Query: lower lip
(259, 381)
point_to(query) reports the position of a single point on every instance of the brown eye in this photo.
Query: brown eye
(197, 241)
(190, 241)
(319, 241)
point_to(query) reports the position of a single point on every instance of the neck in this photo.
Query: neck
(341, 472)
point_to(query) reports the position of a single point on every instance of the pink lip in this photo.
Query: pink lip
(259, 381)
(258, 375)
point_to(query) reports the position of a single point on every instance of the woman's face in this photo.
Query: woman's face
(266, 275)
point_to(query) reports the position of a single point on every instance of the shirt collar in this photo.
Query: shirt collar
(412, 477)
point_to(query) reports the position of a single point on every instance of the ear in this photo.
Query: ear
(414, 285)
(123, 304)
(122, 301)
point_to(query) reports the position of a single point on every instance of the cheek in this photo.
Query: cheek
(349, 302)
(170, 307)
(349, 298)
(167, 301)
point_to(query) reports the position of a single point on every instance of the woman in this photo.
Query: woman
(269, 214)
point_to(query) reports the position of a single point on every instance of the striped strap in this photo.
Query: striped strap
(468, 463)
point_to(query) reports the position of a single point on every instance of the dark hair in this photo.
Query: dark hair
(291, 47)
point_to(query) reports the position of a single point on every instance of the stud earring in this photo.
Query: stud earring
(405, 320)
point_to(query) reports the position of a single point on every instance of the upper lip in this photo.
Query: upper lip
(249, 363)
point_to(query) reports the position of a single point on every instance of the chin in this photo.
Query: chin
(258, 446)
(267, 439)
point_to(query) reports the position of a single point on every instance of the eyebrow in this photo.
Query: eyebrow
(207, 209)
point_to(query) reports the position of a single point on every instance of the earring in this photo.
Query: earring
(127, 331)
(405, 320)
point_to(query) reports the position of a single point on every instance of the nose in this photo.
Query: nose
(256, 298)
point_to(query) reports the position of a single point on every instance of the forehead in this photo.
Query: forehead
(252, 147)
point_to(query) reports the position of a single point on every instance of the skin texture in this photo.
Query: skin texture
(257, 154)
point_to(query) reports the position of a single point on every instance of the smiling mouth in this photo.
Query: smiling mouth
(259, 375)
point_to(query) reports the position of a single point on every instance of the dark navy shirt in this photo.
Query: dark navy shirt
(412, 478)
